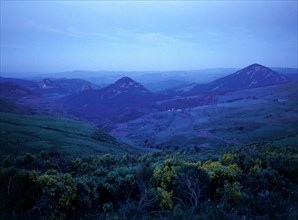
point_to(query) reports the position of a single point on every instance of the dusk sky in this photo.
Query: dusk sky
(148, 35)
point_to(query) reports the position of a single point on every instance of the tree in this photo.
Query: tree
(191, 181)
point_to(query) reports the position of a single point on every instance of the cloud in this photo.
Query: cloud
(67, 31)
(155, 38)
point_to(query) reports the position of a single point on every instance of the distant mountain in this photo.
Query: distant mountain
(126, 99)
(252, 76)
(124, 86)
(75, 85)
(48, 86)
(21, 82)
(11, 89)
(290, 73)
(111, 101)
(64, 86)
(164, 85)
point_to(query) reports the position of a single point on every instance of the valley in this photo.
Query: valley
(261, 109)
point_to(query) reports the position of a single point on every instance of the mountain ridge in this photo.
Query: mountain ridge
(252, 76)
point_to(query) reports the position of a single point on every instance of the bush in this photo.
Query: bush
(259, 183)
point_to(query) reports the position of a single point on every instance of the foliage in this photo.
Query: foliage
(240, 183)
(164, 176)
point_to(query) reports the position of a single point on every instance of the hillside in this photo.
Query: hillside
(252, 76)
(267, 114)
(34, 133)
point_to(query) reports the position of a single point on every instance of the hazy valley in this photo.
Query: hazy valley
(255, 104)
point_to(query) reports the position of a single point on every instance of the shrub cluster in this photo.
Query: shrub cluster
(246, 183)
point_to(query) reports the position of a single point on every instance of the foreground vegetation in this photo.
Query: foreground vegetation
(239, 183)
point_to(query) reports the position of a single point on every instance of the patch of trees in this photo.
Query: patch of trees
(242, 183)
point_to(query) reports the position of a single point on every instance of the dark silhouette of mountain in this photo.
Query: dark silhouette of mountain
(252, 76)
(124, 86)
(121, 97)
(11, 89)
(50, 86)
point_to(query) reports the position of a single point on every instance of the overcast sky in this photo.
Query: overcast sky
(147, 35)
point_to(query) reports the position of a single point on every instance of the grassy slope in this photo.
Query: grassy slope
(32, 133)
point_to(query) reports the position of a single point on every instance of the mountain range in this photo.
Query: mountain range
(155, 81)
(127, 96)
(189, 115)
(126, 99)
